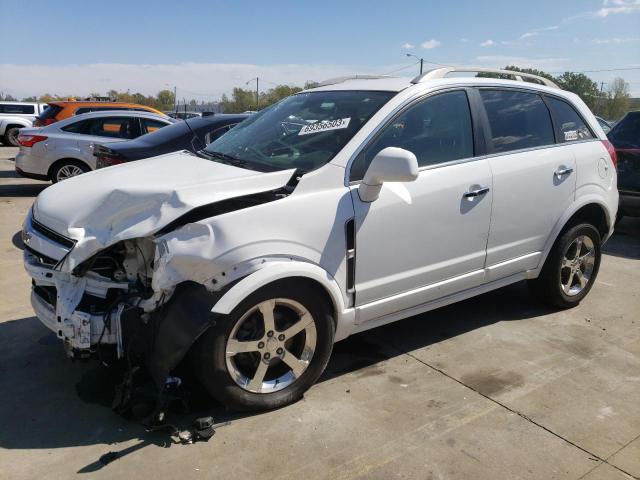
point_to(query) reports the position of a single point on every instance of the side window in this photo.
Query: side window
(18, 109)
(436, 130)
(517, 120)
(149, 125)
(82, 110)
(217, 133)
(77, 127)
(569, 125)
(113, 127)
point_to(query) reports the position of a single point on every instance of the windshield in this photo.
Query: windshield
(303, 131)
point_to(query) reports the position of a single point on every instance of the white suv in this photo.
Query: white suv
(341, 208)
(17, 115)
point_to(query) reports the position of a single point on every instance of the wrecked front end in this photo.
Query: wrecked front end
(106, 305)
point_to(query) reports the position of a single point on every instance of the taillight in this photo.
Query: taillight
(612, 152)
(106, 157)
(30, 140)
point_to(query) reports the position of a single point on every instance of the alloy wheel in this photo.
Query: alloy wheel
(577, 266)
(68, 171)
(271, 345)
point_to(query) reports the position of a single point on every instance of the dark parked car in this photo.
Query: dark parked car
(193, 134)
(625, 137)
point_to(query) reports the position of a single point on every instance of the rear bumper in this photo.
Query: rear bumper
(34, 176)
(31, 166)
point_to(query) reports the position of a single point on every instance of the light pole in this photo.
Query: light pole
(175, 96)
(257, 91)
(419, 58)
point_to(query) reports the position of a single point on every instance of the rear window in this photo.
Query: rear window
(518, 120)
(50, 112)
(569, 125)
(17, 109)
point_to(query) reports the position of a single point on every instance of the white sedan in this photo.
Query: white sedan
(65, 149)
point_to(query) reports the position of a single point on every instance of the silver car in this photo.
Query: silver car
(65, 149)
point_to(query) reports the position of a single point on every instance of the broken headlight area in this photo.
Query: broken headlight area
(84, 307)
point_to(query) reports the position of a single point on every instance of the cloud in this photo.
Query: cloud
(429, 44)
(609, 7)
(528, 35)
(614, 40)
(209, 80)
(408, 46)
(464, 40)
(488, 43)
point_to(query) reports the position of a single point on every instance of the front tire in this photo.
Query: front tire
(270, 350)
(571, 268)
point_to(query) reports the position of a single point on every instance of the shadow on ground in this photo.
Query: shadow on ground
(22, 189)
(625, 242)
(50, 402)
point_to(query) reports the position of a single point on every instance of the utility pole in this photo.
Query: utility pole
(257, 90)
(419, 58)
(175, 98)
(600, 99)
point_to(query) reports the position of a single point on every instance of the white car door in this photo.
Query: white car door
(426, 239)
(533, 179)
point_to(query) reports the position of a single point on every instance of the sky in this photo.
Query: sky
(205, 48)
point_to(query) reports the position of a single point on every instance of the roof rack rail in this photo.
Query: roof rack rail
(518, 76)
(333, 81)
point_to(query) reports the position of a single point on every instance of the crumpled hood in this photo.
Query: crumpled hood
(136, 199)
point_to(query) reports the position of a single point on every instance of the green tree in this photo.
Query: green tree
(532, 71)
(166, 100)
(581, 85)
(618, 99)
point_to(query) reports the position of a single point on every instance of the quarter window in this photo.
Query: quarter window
(149, 125)
(569, 125)
(436, 130)
(517, 119)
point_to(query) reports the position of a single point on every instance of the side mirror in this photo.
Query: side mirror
(391, 164)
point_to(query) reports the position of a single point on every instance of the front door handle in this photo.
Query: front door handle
(561, 172)
(476, 193)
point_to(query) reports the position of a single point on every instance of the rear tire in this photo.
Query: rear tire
(570, 269)
(244, 363)
(11, 136)
(65, 169)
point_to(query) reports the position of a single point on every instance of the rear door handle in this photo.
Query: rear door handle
(561, 172)
(476, 193)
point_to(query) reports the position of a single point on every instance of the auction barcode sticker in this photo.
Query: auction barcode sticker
(325, 126)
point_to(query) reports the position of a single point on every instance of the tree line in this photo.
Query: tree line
(611, 102)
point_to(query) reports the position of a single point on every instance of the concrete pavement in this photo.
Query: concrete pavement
(494, 387)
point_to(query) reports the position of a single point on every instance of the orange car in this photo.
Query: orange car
(57, 111)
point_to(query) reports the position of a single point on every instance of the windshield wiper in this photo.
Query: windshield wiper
(223, 156)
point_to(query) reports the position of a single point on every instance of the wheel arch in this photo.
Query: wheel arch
(591, 210)
(314, 276)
